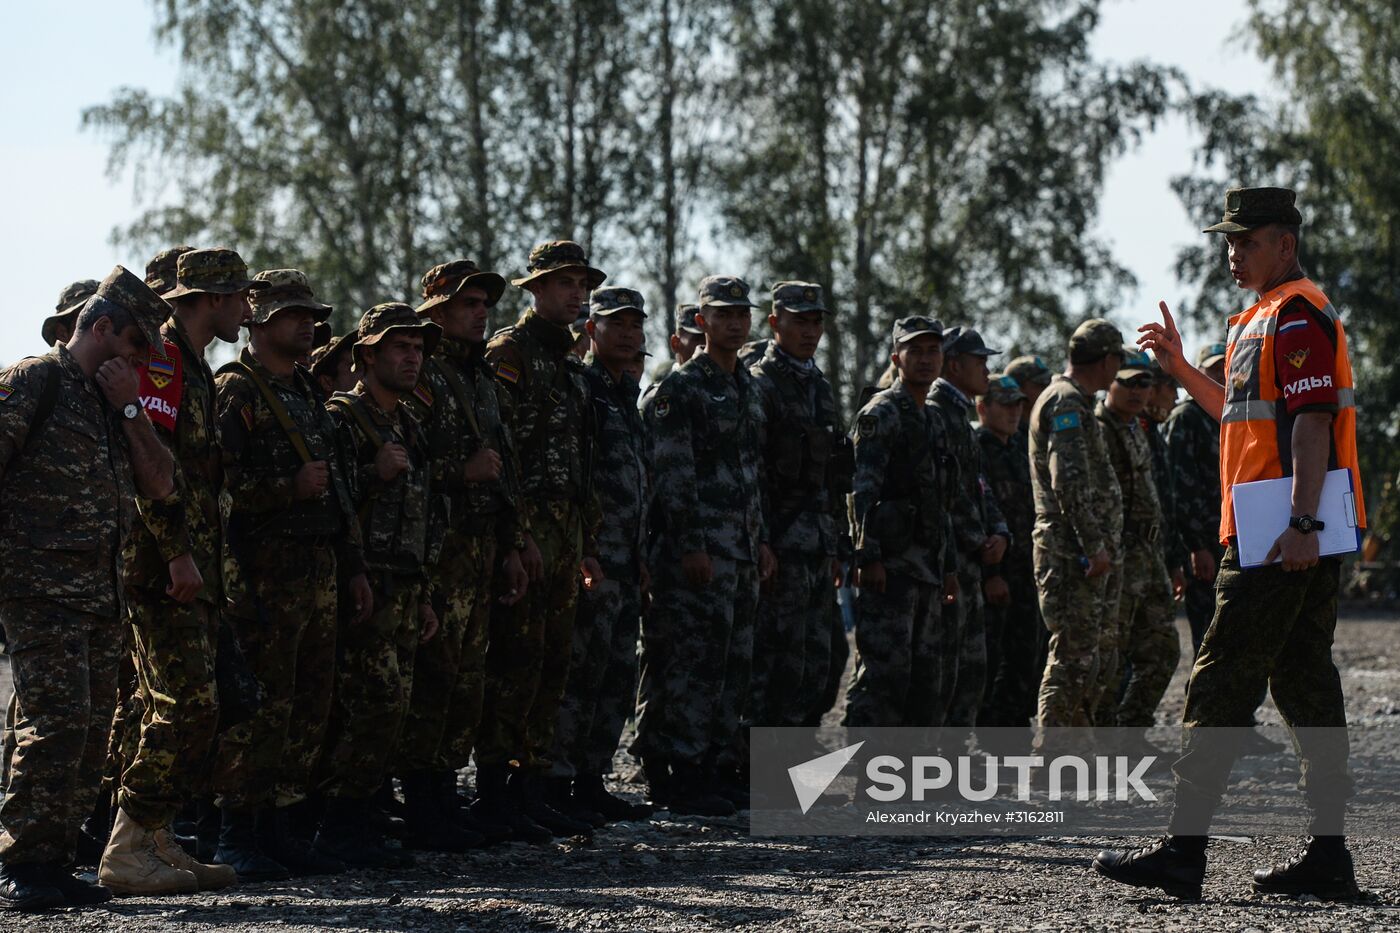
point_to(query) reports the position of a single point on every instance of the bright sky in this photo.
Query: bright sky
(59, 206)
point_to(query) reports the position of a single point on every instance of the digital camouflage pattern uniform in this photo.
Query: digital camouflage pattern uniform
(706, 432)
(545, 405)
(906, 657)
(976, 516)
(457, 403)
(1144, 646)
(284, 560)
(401, 531)
(176, 644)
(602, 690)
(807, 466)
(1016, 629)
(66, 504)
(1078, 512)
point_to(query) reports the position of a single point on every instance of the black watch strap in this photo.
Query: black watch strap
(1306, 524)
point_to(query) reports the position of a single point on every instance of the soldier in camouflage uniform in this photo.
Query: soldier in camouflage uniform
(1160, 403)
(1144, 640)
(545, 405)
(58, 327)
(706, 435)
(1078, 521)
(292, 544)
(683, 343)
(473, 465)
(1014, 630)
(906, 657)
(602, 688)
(76, 447)
(400, 527)
(807, 465)
(173, 585)
(980, 532)
(333, 365)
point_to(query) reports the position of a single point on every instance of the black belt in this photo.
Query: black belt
(1143, 531)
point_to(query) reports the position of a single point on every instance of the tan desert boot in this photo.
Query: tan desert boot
(130, 864)
(210, 877)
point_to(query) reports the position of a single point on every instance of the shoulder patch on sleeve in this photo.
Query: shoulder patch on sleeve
(663, 406)
(423, 393)
(867, 426)
(507, 373)
(1296, 358)
(1065, 422)
(6, 390)
(246, 413)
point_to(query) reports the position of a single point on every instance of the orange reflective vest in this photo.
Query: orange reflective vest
(1255, 415)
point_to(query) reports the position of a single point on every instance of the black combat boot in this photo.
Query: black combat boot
(29, 886)
(1176, 864)
(690, 793)
(590, 789)
(495, 806)
(559, 795)
(731, 784)
(239, 848)
(658, 775)
(347, 836)
(426, 825)
(455, 807)
(1323, 869)
(280, 840)
(528, 791)
(76, 891)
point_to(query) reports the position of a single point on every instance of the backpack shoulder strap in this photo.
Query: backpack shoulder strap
(279, 411)
(361, 419)
(48, 399)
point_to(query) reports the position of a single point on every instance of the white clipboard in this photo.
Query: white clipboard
(1262, 510)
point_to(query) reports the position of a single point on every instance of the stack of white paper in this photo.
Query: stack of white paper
(1262, 510)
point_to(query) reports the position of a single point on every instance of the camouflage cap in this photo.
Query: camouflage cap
(1137, 366)
(610, 300)
(559, 254)
(395, 315)
(321, 334)
(907, 328)
(1209, 355)
(965, 341)
(1005, 389)
(798, 297)
(1248, 208)
(325, 359)
(1029, 370)
(724, 291)
(685, 318)
(282, 289)
(446, 279)
(161, 270)
(580, 324)
(70, 302)
(1095, 338)
(215, 271)
(122, 288)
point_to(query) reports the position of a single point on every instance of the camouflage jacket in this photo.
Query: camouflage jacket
(1131, 457)
(623, 473)
(903, 487)
(1076, 492)
(197, 527)
(544, 403)
(401, 523)
(1193, 443)
(66, 492)
(804, 448)
(261, 462)
(1009, 475)
(706, 428)
(976, 514)
(1173, 550)
(457, 403)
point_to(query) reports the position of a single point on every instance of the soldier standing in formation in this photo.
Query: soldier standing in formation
(72, 431)
(906, 657)
(1078, 515)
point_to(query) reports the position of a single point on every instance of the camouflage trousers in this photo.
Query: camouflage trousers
(174, 646)
(1200, 605)
(970, 683)
(906, 655)
(792, 640)
(64, 663)
(699, 688)
(124, 738)
(1076, 610)
(373, 684)
(1148, 648)
(1015, 640)
(1274, 628)
(527, 657)
(602, 690)
(449, 672)
(840, 653)
(288, 635)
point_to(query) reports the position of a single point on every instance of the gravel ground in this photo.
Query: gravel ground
(710, 874)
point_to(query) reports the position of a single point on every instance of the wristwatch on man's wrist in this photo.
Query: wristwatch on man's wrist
(131, 411)
(1306, 524)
